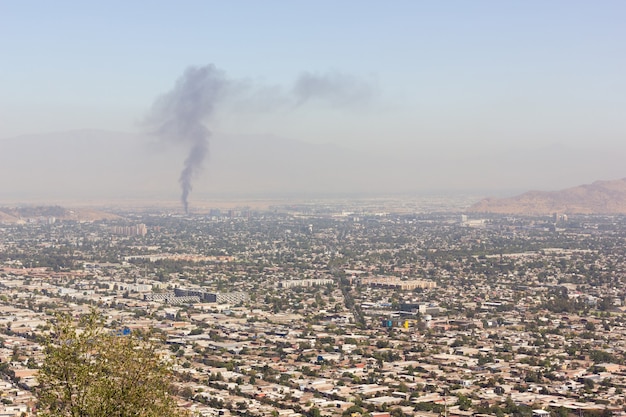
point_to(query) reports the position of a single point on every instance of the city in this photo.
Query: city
(335, 309)
(307, 209)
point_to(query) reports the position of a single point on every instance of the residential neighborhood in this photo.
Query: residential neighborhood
(335, 309)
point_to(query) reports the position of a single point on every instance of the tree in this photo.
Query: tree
(91, 372)
(464, 402)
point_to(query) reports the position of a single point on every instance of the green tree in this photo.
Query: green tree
(464, 402)
(90, 372)
(315, 412)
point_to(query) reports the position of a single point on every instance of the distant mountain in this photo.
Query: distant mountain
(97, 167)
(100, 165)
(601, 197)
(7, 218)
(84, 164)
(47, 213)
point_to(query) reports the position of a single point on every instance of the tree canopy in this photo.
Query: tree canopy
(89, 371)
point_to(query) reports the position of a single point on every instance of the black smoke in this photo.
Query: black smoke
(180, 114)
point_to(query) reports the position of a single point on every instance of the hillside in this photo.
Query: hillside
(32, 213)
(600, 197)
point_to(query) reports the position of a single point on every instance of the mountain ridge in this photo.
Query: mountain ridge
(599, 197)
(23, 214)
(97, 165)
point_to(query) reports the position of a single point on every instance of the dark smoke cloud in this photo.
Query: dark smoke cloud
(179, 115)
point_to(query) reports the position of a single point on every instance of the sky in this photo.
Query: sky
(466, 76)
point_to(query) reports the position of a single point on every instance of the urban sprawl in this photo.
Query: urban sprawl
(336, 310)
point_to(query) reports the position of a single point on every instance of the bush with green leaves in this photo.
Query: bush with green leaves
(89, 371)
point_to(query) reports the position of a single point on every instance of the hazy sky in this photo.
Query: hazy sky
(460, 73)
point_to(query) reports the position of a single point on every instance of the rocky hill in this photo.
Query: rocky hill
(44, 213)
(601, 197)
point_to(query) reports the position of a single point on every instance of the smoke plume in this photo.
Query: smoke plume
(179, 116)
(335, 88)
